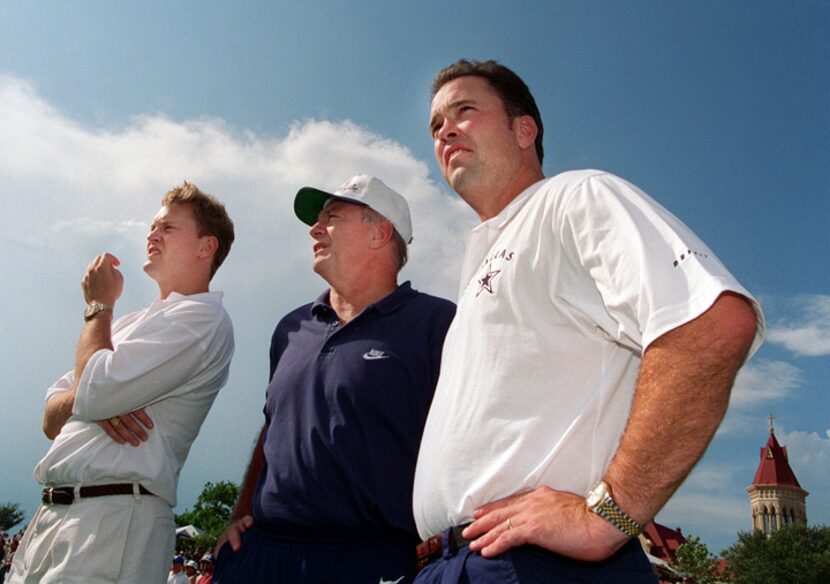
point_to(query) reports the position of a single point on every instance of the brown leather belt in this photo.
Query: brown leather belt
(433, 548)
(66, 495)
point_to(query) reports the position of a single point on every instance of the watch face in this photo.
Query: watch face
(596, 495)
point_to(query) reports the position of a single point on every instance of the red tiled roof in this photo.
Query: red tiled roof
(665, 541)
(774, 468)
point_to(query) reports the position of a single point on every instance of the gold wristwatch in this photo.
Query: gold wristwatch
(599, 501)
(94, 308)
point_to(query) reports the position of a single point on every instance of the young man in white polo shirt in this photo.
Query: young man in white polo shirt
(123, 420)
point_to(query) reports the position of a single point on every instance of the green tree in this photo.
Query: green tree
(695, 560)
(10, 515)
(795, 554)
(210, 513)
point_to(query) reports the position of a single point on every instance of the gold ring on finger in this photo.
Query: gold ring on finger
(509, 524)
(115, 421)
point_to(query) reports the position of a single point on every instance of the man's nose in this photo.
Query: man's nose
(317, 229)
(447, 130)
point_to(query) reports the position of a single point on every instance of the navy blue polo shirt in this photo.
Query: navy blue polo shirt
(345, 410)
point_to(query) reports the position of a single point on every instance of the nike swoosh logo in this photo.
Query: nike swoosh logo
(374, 355)
(382, 581)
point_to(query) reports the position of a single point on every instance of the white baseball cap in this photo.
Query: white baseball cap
(362, 189)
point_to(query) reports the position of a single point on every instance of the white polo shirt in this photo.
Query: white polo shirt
(560, 295)
(171, 359)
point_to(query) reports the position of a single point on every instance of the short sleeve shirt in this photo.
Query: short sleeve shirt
(345, 410)
(560, 295)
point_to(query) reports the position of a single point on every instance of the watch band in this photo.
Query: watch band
(94, 308)
(611, 512)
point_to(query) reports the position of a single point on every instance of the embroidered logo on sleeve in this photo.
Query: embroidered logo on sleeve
(689, 253)
(374, 355)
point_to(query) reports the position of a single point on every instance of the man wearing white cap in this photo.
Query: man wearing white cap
(328, 493)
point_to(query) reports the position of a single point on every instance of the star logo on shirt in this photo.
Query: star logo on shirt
(486, 281)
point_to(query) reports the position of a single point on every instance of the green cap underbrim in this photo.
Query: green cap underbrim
(310, 201)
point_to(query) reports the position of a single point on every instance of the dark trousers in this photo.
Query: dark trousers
(534, 565)
(268, 558)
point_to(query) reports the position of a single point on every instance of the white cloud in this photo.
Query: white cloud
(807, 332)
(712, 477)
(719, 517)
(86, 226)
(764, 380)
(696, 509)
(65, 181)
(809, 457)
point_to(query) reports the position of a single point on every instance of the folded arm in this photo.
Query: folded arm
(102, 283)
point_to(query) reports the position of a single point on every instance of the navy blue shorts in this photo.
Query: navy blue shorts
(533, 565)
(268, 558)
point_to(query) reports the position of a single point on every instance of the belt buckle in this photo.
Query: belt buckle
(56, 496)
(428, 551)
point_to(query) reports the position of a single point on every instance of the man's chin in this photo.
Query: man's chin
(460, 180)
(321, 268)
(457, 174)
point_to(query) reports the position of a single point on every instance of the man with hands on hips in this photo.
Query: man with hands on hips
(593, 328)
(147, 379)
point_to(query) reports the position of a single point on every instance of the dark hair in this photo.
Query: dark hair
(515, 95)
(210, 215)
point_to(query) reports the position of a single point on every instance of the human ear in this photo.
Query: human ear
(526, 132)
(381, 235)
(209, 245)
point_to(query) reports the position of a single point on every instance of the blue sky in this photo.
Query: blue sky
(718, 109)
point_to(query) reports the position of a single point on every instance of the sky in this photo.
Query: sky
(719, 110)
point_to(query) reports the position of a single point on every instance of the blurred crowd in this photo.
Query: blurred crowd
(8, 545)
(185, 569)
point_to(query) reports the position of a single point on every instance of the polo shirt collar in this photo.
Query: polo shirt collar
(385, 305)
(391, 302)
(210, 297)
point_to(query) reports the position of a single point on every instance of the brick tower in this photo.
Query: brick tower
(775, 495)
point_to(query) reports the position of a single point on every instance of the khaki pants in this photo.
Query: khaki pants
(117, 539)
